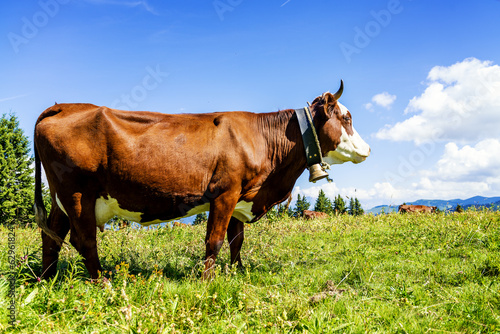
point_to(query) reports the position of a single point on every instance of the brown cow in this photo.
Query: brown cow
(403, 208)
(151, 167)
(308, 214)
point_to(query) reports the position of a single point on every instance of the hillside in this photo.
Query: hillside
(443, 205)
(344, 274)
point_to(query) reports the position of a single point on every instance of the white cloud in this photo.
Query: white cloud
(460, 172)
(384, 100)
(395, 194)
(438, 189)
(461, 103)
(425, 188)
(471, 164)
(460, 107)
(12, 97)
(331, 190)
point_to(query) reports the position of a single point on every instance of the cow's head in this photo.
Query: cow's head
(339, 141)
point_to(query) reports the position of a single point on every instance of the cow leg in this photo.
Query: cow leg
(221, 210)
(83, 232)
(235, 236)
(59, 223)
(87, 247)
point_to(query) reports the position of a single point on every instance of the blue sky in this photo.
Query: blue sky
(421, 77)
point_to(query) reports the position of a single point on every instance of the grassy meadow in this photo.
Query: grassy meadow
(366, 274)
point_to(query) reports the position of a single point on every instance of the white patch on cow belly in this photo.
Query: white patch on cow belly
(59, 204)
(105, 209)
(196, 210)
(243, 211)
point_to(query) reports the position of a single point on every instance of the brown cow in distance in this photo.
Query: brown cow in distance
(151, 167)
(308, 214)
(417, 208)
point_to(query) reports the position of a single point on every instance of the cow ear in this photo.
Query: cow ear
(327, 103)
(330, 100)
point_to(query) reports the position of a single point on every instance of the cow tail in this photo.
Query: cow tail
(39, 207)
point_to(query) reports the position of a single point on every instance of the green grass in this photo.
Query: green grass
(385, 274)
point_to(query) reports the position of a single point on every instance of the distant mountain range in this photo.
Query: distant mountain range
(444, 205)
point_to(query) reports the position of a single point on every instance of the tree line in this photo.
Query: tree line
(16, 173)
(324, 204)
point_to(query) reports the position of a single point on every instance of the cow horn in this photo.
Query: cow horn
(338, 94)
